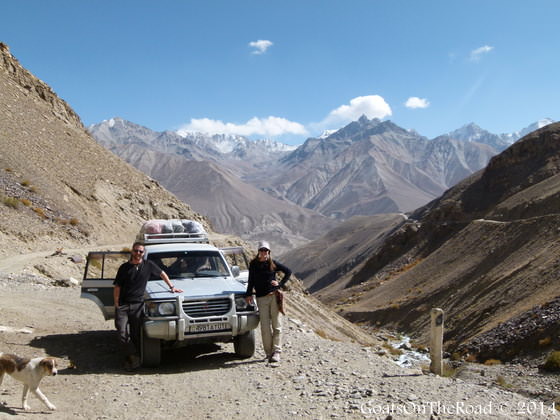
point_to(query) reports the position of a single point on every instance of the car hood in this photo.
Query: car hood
(195, 287)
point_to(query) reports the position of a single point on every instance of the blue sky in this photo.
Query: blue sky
(289, 69)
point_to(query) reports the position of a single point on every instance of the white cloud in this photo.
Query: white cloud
(372, 106)
(479, 52)
(269, 127)
(414, 102)
(260, 46)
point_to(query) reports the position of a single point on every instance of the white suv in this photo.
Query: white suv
(212, 307)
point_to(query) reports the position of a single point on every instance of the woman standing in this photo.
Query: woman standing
(262, 282)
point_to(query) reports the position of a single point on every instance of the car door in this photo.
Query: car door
(99, 275)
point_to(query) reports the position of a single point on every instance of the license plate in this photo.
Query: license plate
(218, 326)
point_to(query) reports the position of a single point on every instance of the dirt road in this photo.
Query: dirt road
(316, 379)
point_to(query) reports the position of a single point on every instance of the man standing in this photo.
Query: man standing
(128, 295)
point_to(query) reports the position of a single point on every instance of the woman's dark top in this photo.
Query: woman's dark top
(260, 277)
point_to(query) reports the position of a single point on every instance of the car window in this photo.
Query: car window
(104, 265)
(190, 264)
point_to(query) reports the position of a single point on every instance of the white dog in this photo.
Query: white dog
(29, 372)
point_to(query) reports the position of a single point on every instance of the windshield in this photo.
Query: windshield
(189, 264)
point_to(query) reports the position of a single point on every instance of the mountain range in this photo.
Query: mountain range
(290, 195)
(486, 252)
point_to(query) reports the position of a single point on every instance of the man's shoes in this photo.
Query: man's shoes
(275, 358)
(132, 362)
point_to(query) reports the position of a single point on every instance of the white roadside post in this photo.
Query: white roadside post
(436, 341)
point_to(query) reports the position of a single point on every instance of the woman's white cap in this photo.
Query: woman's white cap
(264, 244)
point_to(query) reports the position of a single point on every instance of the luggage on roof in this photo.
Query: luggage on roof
(172, 230)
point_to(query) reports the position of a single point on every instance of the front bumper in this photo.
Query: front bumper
(191, 328)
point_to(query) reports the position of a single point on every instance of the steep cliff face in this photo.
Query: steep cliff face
(37, 87)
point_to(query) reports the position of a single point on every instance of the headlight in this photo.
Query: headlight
(241, 304)
(160, 308)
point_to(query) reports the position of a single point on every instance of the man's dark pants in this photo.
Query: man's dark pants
(128, 321)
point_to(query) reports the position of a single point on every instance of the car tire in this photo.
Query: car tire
(244, 344)
(150, 351)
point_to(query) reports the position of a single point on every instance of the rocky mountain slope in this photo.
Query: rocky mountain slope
(207, 172)
(232, 205)
(59, 186)
(371, 167)
(486, 252)
(472, 132)
(341, 251)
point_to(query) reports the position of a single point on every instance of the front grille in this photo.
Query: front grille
(209, 307)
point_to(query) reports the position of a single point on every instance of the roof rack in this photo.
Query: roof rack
(164, 238)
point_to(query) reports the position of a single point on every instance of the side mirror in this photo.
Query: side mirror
(235, 270)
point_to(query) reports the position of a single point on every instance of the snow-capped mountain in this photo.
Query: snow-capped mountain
(370, 167)
(366, 167)
(238, 146)
(535, 126)
(472, 132)
(225, 149)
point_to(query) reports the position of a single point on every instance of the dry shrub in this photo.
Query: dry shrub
(321, 333)
(500, 380)
(11, 202)
(449, 371)
(471, 358)
(394, 351)
(552, 363)
(492, 362)
(40, 212)
(545, 342)
(25, 202)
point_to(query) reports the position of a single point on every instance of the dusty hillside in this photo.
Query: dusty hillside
(342, 250)
(231, 204)
(59, 186)
(486, 251)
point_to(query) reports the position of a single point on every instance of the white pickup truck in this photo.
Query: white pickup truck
(212, 307)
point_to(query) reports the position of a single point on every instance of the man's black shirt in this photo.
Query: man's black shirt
(132, 279)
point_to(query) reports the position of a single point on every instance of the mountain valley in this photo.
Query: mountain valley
(368, 167)
(484, 249)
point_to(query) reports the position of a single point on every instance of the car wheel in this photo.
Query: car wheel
(244, 344)
(150, 351)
